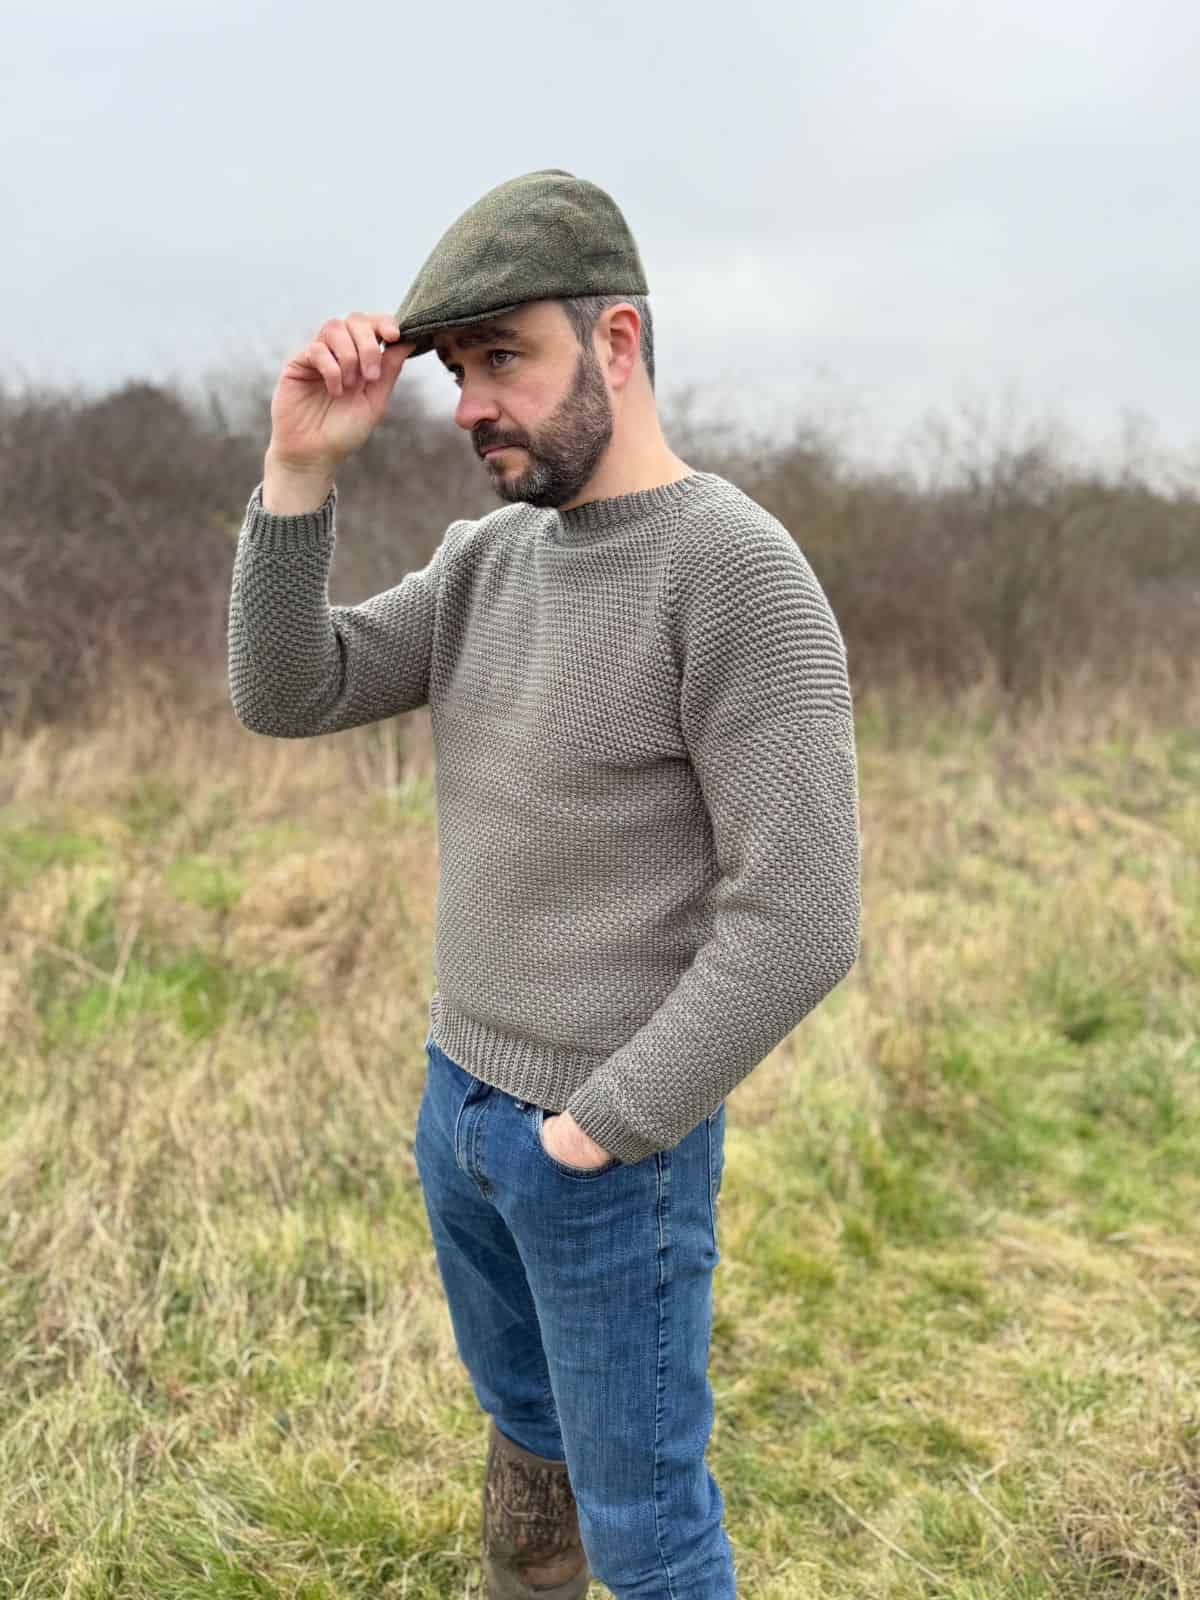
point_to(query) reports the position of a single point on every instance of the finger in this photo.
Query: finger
(392, 359)
(362, 331)
(320, 356)
(337, 336)
(399, 349)
(386, 327)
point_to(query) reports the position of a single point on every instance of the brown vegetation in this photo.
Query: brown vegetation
(1010, 565)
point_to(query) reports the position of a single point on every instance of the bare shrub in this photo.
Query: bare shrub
(1012, 565)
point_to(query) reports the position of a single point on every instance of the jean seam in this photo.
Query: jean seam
(712, 1173)
(664, 1165)
(586, 1173)
(462, 1106)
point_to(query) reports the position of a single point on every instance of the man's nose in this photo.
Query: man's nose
(474, 407)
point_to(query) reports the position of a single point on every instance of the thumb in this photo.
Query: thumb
(391, 360)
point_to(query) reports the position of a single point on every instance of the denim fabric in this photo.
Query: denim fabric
(581, 1303)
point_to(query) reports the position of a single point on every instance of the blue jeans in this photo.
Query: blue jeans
(581, 1303)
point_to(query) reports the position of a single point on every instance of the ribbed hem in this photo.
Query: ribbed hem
(597, 516)
(275, 530)
(548, 1073)
(527, 1069)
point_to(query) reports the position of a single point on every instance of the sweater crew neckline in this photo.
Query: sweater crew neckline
(581, 522)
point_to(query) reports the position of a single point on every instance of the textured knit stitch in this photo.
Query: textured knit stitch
(645, 773)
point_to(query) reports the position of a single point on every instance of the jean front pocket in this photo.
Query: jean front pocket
(581, 1173)
(715, 1127)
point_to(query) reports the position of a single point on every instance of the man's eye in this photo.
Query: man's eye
(454, 371)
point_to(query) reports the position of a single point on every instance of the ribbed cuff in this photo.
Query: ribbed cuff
(276, 530)
(592, 1109)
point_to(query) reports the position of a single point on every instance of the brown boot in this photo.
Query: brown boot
(531, 1544)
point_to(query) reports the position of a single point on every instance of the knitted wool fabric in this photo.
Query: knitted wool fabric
(646, 781)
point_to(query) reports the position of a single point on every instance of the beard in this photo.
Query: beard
(566, 449)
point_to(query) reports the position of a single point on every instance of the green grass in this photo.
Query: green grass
(955, 1337)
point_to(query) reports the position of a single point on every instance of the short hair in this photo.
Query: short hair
(583, 313)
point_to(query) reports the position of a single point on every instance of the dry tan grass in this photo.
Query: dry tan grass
(939, 1369)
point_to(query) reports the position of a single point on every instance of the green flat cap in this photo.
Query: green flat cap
(546, 235)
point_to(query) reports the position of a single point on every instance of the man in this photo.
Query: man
(649, 872)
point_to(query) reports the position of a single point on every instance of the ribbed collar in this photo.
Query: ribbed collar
(582, 522)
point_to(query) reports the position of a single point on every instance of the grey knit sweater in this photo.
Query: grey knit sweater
(646, 781)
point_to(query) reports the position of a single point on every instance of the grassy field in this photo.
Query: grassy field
(956, 1348)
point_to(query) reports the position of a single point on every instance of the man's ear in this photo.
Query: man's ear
(622, 327)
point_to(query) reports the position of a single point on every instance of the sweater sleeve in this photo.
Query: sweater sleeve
(299, 666)
(766, 715)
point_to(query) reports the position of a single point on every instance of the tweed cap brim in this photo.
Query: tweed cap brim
(424, 335)
(546, 235)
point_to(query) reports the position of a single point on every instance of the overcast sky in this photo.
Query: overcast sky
(871, 211)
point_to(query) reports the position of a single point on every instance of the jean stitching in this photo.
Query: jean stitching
(561, 1166)
(712, 1173)
(457, 1125)
(663, 1165)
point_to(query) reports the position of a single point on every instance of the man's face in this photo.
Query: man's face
(527, 385)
